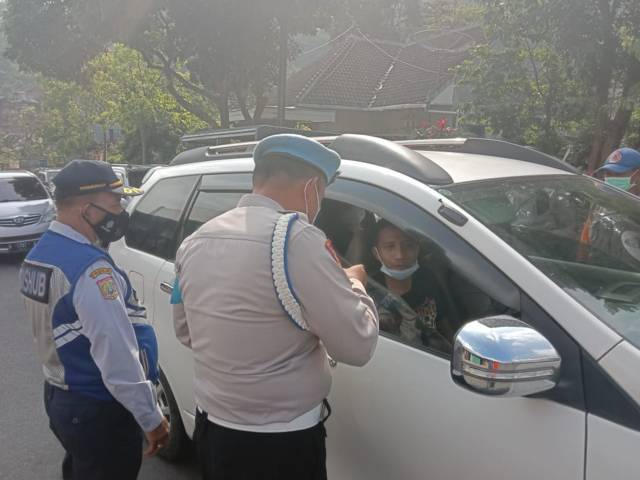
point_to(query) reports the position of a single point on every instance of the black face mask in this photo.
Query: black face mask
(112, 227)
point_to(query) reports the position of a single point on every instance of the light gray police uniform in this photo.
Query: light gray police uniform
(262, 301)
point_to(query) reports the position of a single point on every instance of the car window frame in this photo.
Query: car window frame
(339, 193)
(174, 246)
(571, 392)
(223, 182)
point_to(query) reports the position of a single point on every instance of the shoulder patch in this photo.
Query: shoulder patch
(332, 251)
(35, 281)
(107, 288)
(101, 271)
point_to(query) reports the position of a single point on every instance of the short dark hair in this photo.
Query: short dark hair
(281, 165)
(71, 200)
(374, 233)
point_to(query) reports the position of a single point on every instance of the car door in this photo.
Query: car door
(401, 416)
(214, 195)
(150, 245)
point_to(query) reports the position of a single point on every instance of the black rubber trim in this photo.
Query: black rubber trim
(385, 153)
(569, 389)
(605, 399)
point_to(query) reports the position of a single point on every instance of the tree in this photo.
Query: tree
(596, 41)
(117, 90)
(379, 19)
(221, 51)
(557, 72)
(523, 88)
(133, 97)
(59, 128)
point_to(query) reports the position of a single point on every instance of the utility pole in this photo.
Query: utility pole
(105, 145)
(282, 73)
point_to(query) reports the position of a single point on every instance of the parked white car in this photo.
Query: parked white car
(543, 381)
(26, 210)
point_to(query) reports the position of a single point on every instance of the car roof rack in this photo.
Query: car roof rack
(245, 134)
(361, 148)
(393, 155)
(222, 152)
(491, 147)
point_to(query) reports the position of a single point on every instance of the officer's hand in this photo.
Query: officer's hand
(358, 272)
(157, 438)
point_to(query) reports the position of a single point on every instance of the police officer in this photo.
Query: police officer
(97, 351)
(261, 299)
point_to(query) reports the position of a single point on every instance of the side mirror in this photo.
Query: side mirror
(502, 356)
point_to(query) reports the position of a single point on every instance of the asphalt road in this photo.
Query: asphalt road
(28, 450)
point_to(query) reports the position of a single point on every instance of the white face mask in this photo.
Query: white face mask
(397, 274)
(400, 274)
(306, 205)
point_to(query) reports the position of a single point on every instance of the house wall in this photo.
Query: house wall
(388, 122)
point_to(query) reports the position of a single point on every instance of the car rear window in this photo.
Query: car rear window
(21, 189)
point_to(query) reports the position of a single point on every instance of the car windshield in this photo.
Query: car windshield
(584, 235)
(20, 189)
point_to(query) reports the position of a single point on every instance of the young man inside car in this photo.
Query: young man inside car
(410, 302)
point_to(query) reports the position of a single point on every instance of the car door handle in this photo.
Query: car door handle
(166, 288)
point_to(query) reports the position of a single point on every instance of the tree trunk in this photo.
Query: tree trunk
(242, 101)
(223, 108)
(143, 144)
(604, 78)
(616, 128)
(261, 103)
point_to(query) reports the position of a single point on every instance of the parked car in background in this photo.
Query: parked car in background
(131, 174)
(46, 176)
(150, 172)
(542, 381)
(26, 210)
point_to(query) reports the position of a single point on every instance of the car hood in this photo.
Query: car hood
(11, 209)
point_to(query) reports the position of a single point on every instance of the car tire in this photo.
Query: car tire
(179, 442)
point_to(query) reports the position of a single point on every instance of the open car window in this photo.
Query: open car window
(440, 299)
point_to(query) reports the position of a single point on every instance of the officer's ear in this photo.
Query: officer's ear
(85, 206)
(321, 184)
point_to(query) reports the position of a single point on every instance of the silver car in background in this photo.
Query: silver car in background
(26, 210)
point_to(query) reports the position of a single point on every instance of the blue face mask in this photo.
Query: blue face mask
(623, 183)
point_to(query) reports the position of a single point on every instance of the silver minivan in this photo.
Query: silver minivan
(26, 210)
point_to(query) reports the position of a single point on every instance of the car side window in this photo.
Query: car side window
(450, 282)
(154, 222)
(208, 205)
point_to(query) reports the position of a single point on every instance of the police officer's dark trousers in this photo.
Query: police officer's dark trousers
(101, 438)
(227, 454)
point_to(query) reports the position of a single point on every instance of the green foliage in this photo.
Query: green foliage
(133, 97)
(117, 90)
(556, 74)
(219, 50)
(440, 14)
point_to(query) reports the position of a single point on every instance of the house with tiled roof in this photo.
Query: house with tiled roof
(363, 85)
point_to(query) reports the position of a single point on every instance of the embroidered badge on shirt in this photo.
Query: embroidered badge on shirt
(107, 288)
(332, 251)
(100, 271)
